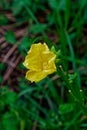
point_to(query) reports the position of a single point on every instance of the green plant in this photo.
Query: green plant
(58, 102)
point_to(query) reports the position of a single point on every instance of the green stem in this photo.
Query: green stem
(75, 92)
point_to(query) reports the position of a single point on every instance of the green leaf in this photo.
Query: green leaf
(66, 108)
(24, 45)
(38, 28)
(53, 4)
(9, 121)
(3, 20)
(57, 4)
(10, 97)
(2, 66)
(7, 97)
(10, 37)
(18, 5)
(67, 12)
(1, 79)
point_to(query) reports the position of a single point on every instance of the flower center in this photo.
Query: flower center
(45, 65)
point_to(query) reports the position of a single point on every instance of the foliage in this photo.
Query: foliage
(58, 102)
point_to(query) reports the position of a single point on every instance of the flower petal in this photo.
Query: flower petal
(33, 60)
(50, 68)
(47, 56)
(49, 62)
(38, 48)
(34, 76)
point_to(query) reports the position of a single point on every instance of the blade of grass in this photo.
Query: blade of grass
(73, 121)
(73, 58)
(31, 14)
(67, 12)
(63, 46)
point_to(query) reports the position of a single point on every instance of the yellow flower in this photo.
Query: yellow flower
(40, 61)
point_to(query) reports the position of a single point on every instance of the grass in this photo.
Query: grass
(58, 102)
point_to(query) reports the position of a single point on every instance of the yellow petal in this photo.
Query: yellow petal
(34, 76)
(49, 62)
(34, 58)
(50, 68)
(38, 48)
(33, 62)
(48, 57)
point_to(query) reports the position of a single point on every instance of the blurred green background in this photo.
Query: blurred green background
(49, 104)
